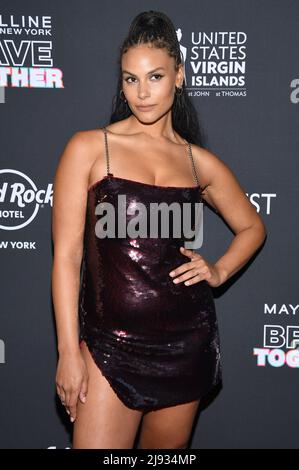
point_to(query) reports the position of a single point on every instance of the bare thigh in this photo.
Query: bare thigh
(103, 421)
(168, 428)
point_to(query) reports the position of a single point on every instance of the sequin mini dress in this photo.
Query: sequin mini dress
(156, 342)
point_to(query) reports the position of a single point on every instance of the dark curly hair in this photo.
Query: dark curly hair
(156, 28)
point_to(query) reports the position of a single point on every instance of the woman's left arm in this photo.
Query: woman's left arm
(224, 193)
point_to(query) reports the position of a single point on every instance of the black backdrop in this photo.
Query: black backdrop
(250, 115)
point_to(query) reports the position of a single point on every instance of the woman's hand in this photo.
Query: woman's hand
(197, 270)
(71, 381)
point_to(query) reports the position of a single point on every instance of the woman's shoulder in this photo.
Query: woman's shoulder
(213, 171)
(208, 162)
(204, 155)
(81, 151)
(86, 143)
(94, 138)
(87, 137)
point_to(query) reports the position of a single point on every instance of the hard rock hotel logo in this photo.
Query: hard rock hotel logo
(214, 62)
(20, 200)
(26, 53)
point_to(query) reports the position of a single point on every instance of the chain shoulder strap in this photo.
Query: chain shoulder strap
(192, 163)
(106, 151)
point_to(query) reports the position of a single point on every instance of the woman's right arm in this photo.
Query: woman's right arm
(68, 223)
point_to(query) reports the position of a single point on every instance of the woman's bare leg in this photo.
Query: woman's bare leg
(168, 428)
(103, 421)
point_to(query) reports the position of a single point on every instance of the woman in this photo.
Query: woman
(146, 345)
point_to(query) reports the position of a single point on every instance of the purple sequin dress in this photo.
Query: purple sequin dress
(157, 343)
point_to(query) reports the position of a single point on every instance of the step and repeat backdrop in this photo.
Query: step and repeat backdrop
(58, 73)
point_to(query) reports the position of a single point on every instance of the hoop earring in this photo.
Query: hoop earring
(120, 92)
(179, 91)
